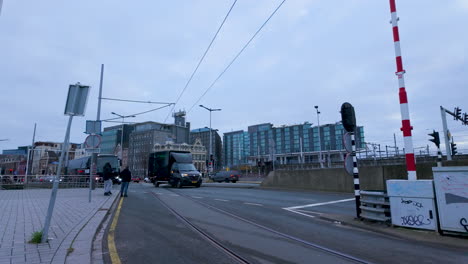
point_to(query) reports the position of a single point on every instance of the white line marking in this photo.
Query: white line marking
(175, 195)
(158, 193)
(296, 212)
(221, 200)
(197, 197)
(254, 204)
(318, 204)
(309, 212)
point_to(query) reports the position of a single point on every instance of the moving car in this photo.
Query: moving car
(173, 167)
(226, 176)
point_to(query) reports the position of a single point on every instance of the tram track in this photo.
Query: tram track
(235, 255)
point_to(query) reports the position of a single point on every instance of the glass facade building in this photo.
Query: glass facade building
(286, 144)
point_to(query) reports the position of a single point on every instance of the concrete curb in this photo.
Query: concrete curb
(82, 243)
(426, 236)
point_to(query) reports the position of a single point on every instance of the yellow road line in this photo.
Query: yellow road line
(110, 237)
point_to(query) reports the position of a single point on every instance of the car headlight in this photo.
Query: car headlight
(184, 174)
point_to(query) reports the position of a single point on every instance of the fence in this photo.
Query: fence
(46, 181)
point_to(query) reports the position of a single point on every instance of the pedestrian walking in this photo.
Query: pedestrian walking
(107, 177)
(126, 177)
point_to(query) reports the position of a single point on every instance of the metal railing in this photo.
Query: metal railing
(375, 206)
(8, 182)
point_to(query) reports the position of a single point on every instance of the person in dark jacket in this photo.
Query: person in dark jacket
(126, 177)
(107, 177)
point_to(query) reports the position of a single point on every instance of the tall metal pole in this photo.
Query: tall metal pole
(1, 4)
(357, 189)
(396, 148)
(211, 110)
(30, 153)
(446, 136)
(320, 140)
(211, 150)
(121, 139)
(405, 117)
(53, 196)
(100, 94)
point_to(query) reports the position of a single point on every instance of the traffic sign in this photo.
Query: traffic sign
(347, 142)
(348, 164)
(92, 141)
(93, 127)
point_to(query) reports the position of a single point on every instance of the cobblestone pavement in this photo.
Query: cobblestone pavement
(73, 226)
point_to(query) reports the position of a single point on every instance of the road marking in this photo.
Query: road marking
(318, 204)
(309, 212)
(197, 197)
(110, 237)
(296, 212)
(174, 195)
(256, 204)
(221, 200)
(158, 193)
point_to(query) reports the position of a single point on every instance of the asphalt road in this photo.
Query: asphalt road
(148, 232)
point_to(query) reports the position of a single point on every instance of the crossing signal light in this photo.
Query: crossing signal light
(465, 119)
(457, 112)
(454, 148)
(348, 117)
(435, 138)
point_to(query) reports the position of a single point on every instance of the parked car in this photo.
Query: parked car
(136, 179)
(226, 176)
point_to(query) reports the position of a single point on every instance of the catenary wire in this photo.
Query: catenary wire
(115, 118)
(133, 101)
(201, 60)
(238, 54)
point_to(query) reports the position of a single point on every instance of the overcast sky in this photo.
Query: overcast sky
(312, 52)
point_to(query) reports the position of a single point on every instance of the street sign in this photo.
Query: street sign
(348, 163)
(347, 142)
(93, 127)
(92, 141)
(76, 100)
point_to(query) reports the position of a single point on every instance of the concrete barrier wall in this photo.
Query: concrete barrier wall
(337, 180)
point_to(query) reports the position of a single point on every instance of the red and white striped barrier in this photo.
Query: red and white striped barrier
(405, 117)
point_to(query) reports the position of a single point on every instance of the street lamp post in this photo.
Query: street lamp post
(121, 134)
(320, 140)
(211, 144)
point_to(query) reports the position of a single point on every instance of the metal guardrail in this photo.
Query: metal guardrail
(8, 182)
(375, 206)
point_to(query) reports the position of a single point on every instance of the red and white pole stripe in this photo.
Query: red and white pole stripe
(405, 118)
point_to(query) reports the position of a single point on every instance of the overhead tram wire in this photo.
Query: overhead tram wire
(141, 113)
(133, 101)
(238, 54)
(201, 60)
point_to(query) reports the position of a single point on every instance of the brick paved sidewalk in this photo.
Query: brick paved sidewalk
(73, 225)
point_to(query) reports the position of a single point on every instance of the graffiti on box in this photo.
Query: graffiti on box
(415, 220)
(464, 223)
(418, 205)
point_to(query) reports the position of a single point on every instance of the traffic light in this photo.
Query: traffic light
(435, 138)
(465, 119)
(457, 112)
(348, 118)
(454, 148)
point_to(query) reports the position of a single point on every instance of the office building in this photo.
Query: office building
(286, 144)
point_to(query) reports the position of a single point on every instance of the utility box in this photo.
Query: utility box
(412, 203)
(451, 188)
